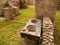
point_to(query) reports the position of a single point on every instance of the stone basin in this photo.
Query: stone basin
(32, 30)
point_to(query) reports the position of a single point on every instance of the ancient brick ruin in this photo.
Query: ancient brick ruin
(8, 9)
(46, 8)
(48, 32)
(45, 13)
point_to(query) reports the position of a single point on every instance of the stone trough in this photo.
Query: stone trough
(35, 32)
(32, 30)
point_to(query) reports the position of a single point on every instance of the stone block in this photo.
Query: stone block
(32, 30)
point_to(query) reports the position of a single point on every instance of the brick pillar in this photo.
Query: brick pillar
(46, 8)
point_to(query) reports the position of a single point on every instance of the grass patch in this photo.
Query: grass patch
(10, 30)
(57, 28)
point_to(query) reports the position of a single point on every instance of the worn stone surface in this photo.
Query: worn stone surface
(32, 30)
(48, 32)
(46, 8)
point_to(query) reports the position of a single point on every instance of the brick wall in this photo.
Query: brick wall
(46, 8)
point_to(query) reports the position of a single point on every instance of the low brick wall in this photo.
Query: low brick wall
(48, 32)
